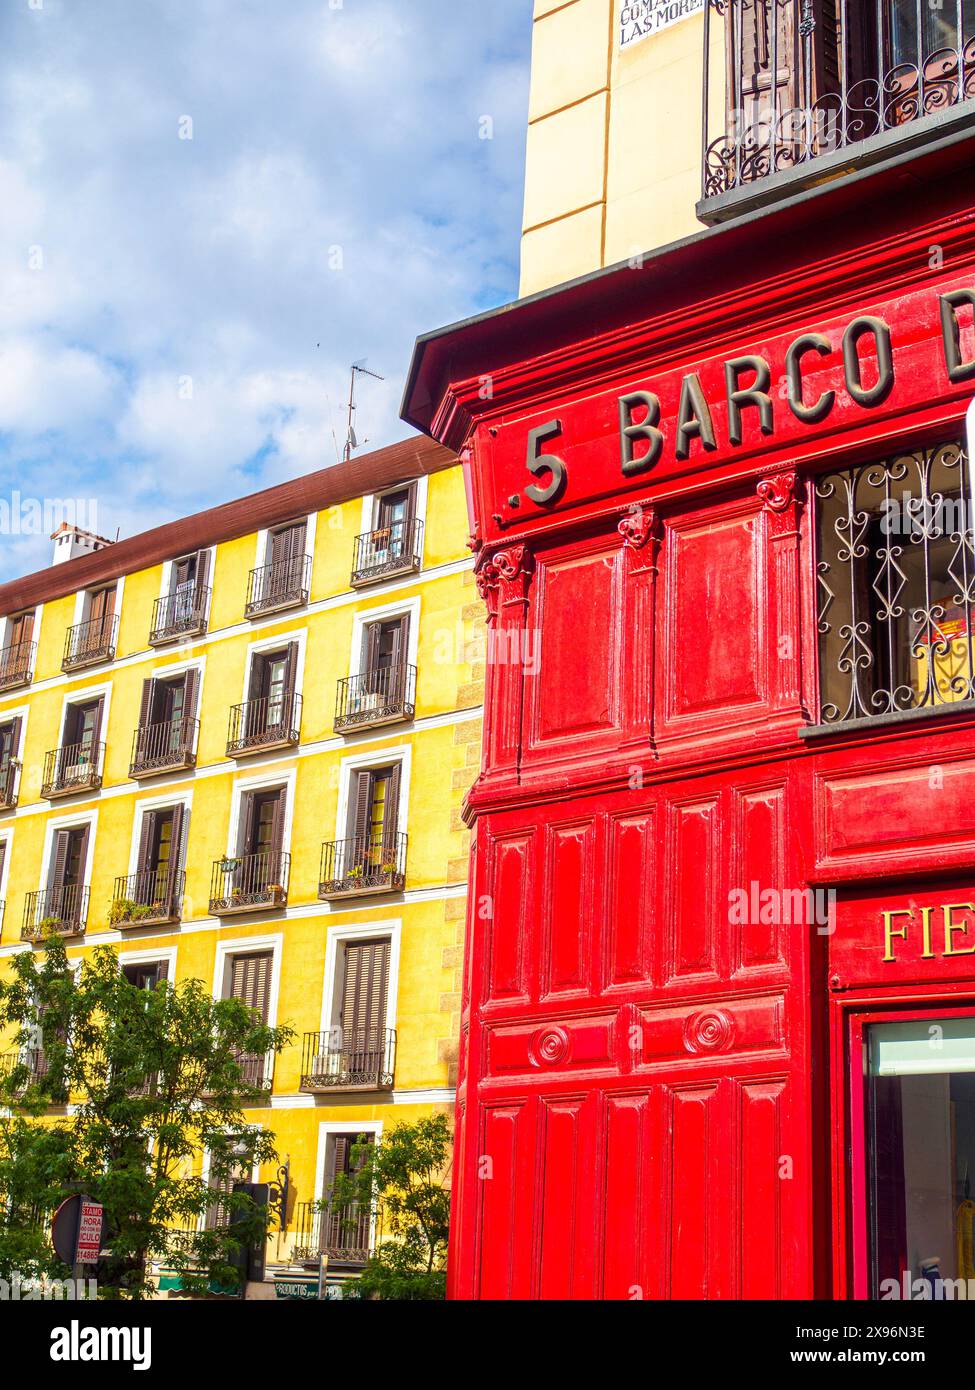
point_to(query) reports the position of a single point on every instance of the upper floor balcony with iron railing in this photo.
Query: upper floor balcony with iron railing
(362, 1059)
(30, 1064)
(169, 746)
(90, 643)
(387, 552)
(283, 584)
(17, 665)
(180, 614)
(147, 898)
(260, 726)
(9, 783)
(344, 1235)
(63, 910)
(72, 769)
(249, 882)
(384, 696)
(363, 865)
(799, 91)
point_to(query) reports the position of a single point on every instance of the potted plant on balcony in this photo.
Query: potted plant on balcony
(122, 910)
(229, 866)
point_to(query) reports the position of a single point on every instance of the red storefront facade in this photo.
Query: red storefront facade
(723, 874)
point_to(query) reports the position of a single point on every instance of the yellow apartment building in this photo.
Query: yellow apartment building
(234, 748)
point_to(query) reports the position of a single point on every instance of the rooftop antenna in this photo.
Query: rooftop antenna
(351, 441)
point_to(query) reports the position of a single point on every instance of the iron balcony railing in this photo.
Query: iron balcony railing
(17, 665)
(349, 1060)
(9, 783)
(182, 614)
(147, 897)
(63, 910)
(259, 725)
(257, 1069)
(846, 74)
(31, 1058)
(88, 644)
(388, 551)
(249, 881)
(386, 696)
(285, 584)
(363, 864)
(74, 767)
(346, 1235)
(164, 747)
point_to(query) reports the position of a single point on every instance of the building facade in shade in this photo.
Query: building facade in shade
(718, 1017)
(234, 749)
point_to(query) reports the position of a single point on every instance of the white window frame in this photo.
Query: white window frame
(334, 951)
(311, 527)
(21, 712)
(330, 1129)
(7, 841)
(365, 617)
(358, 762)
(245, 946)
(167, 570)
(180, 668)
(370, 508)
(160, 802)
(265, 781)
(82, 600)
(165, 954)
(82, 697)
(274, 644)
(8, 617)
(69, 822)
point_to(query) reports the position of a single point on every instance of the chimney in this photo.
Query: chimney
(72, 541)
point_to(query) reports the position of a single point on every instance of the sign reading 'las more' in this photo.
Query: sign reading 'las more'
(640, 19)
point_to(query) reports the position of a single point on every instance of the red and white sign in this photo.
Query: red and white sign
(89, 1233)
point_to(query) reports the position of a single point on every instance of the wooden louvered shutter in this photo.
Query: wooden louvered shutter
(147, 838)
(251, 981)
(247, 824)
(16, 724)
(359, 804)
(751, 52)
(191, 691)
(373, 633)
(59, 859)
(181, 573)
(143, 738)
(391, 809)
(202, 572)
(3, 856)
(290, 678)
(277, 823)
(364, 993)
(96, 726)
(177, 852)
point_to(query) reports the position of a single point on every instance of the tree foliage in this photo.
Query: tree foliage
(155, 1077)
(404, 1180)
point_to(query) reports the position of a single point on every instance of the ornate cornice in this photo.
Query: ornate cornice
(780, 491)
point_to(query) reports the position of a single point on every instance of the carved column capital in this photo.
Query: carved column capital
(637, 526)
(515, 563)
(779, 492)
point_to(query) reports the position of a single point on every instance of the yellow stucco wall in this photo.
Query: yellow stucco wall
(443, 746)
(614, 140)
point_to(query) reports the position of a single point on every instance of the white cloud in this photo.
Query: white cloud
(333, 202)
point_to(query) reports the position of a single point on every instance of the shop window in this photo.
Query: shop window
(921, 1154)
(896, 586)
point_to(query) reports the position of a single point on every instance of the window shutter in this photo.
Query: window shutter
(373, 631)
(251, 981)
(59, 859)
(359, 804)
(146, 840)
(248, 821)
(753, 67)
(364, 990)
(180, 573)
(191, 689)
(277, 823)
(96, 727)
(290, 677)
(177, 857)
(202, 569)
(16, 724)
(145, 717)
(3, 855)
(391, 809)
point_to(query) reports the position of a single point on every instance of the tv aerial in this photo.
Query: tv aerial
(358, 369)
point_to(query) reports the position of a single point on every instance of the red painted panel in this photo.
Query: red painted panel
(567, 959)
(568, 1198)
(759, 852)
(504, 1165)
(892, 812)
(763, 1181)
(510, 919)
(693, 1166)
(693, 890)
(627, 1197)
(629, 928)
(719, 1028)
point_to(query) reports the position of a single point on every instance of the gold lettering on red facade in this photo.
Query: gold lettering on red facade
(951, 928)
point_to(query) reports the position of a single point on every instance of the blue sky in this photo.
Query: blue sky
(210, 208)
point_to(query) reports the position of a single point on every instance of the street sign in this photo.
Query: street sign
(76, 1231)
(89, 1232)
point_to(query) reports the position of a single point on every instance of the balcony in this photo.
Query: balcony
(73, 768)
(91, 643)
(257, 1070)
(285, 584)
(261, 726)
(387, 696)
(17, 665)
(362, 866)
(347, 1236)
(63, 910)
(249, 883)
(166, 747)
(9, 784)
(387, 553)
(147, 898)
(871, 84)
(183, 614)
(353, 1061)
(31, 1058)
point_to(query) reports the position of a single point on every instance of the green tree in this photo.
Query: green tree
(155, 1077)
(404, 1179)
